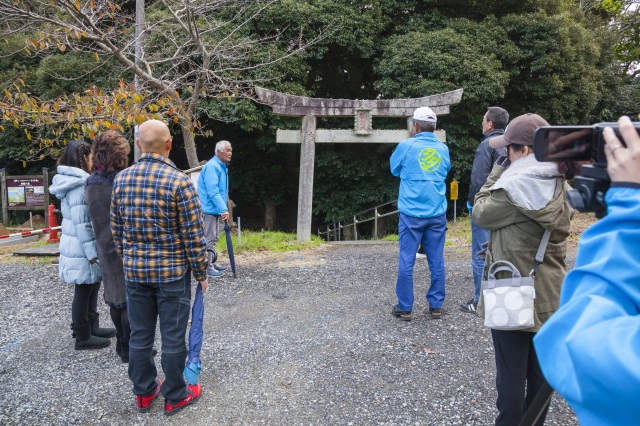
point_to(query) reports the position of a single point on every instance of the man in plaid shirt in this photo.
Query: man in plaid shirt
(158, 230)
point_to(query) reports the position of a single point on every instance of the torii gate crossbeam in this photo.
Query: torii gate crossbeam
(362, 111)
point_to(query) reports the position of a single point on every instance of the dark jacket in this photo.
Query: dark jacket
(98, 195)
(483, 163)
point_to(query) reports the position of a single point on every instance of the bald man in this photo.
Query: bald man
(158, 230)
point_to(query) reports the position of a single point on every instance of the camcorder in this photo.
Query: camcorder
(580, 144)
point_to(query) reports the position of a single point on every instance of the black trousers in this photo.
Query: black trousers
(518, 376)
(120, 318)
(85, 301)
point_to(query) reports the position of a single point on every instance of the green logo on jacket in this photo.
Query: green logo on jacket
(429, 160)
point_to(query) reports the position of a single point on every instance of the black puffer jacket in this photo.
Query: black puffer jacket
(483, 163)
(98, 193)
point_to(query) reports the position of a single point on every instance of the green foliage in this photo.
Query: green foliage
(275, 242)
(462, 55)
(629, 100)
(561, 69)
(349, 178)
(547, 56)
(73, 72)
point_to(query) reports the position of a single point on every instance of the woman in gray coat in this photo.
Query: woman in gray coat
(109, 155)
(78, 256)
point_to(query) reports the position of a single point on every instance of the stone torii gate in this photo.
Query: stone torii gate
(362, 110)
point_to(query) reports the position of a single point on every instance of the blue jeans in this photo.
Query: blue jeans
(170, 302)
(431, 232)
(479, 236)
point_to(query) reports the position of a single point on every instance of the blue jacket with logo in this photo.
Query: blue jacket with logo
(213, 187)
(422, 163)
(589, 350)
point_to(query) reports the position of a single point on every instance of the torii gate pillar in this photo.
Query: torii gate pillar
(362, 110)
(305, 185)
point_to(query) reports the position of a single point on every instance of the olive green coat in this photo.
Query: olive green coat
(517, 206)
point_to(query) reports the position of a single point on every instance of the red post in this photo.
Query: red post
(53, 234)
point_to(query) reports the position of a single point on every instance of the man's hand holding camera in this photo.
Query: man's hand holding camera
(623, 163)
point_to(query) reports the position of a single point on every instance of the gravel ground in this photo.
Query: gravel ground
(302, 338)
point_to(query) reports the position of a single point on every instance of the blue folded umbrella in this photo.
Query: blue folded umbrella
(194, 365)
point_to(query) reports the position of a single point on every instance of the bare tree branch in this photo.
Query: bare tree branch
(190, 49)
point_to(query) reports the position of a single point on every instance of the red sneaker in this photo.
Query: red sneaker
(193, 393)
(144, 402)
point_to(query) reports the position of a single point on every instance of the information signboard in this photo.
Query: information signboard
(25, 192)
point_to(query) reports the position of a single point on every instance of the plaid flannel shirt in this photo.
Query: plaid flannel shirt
(156, 222)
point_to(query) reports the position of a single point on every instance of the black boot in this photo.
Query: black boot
(124, 352)
(95, 326)
(84, 339)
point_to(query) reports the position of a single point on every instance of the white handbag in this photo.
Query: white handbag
(509, 302)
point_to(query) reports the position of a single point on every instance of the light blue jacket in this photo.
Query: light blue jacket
(77, 243)
(213, 187)
(589, 350)
(422, 163)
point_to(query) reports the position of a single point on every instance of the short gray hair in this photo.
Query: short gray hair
(425, 126)
(220, 146)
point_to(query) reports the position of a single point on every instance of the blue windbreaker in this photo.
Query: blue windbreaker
(422, 163)
(213, 187)
(589, 350)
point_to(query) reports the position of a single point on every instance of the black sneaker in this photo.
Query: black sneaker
(470, 307)
(399, 313)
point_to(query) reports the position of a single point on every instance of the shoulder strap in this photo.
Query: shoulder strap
(541, 249)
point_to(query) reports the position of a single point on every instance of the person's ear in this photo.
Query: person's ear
(168, 144)
(138, 144)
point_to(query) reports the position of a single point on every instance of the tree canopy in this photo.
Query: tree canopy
(573, 62)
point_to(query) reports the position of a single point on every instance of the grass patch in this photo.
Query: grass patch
(264, 241)
(7, 256)
(458, 237)
(461, 230)
(272, 241)
(456, 232)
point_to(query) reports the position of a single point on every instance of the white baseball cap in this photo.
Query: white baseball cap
(424, 114)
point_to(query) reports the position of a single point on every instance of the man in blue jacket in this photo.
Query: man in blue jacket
(493, 124)
(213, 192)
(422, 163)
